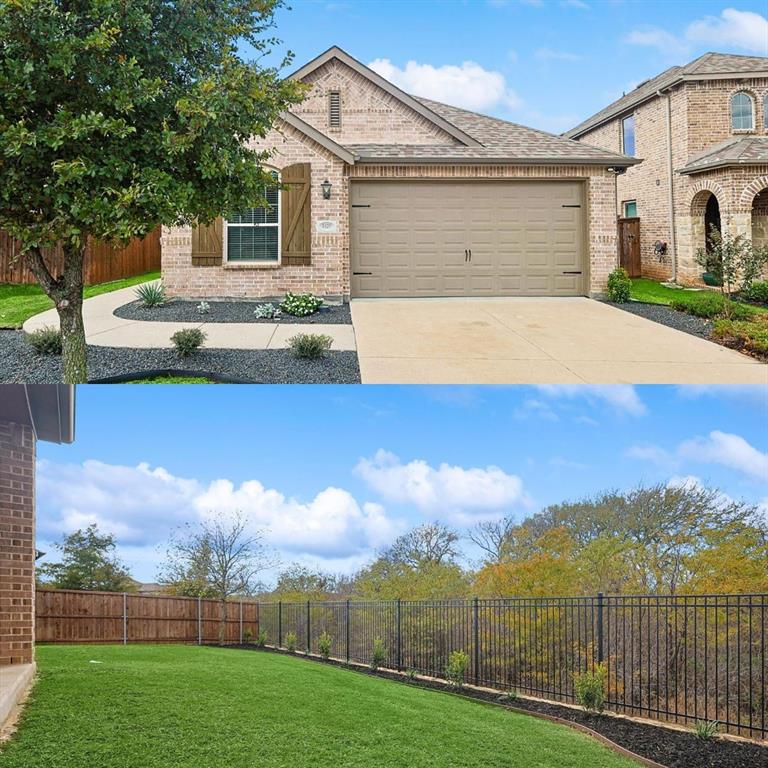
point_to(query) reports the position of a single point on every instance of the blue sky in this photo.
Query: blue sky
(335, 473)
(544, 63)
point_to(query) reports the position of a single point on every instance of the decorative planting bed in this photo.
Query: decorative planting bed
(231, 311)
(651, 743)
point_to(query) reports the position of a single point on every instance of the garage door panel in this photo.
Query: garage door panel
(414, 235)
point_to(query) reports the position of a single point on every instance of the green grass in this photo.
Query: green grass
(19, 302)
(652, 292)
(173, 380)
(188, 707)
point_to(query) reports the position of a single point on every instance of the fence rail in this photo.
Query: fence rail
(69, 616)
(103, 262)
(673, 658)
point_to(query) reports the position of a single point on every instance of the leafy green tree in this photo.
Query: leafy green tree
(88, 562)
(116, 117)
(297, 582)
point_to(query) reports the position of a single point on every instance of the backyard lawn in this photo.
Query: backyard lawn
(19, 302)
(189, 707)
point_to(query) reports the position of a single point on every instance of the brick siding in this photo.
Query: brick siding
(17, 543)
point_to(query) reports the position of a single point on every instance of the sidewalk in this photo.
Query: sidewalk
(104, 329)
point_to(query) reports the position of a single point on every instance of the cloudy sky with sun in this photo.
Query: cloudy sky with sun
(544, 63)
(333, 474)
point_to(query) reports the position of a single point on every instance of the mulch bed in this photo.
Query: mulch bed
(19, 363)
(661, 313)
(668, 747)
(229, 311)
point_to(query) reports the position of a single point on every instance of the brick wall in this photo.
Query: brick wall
(17, 543)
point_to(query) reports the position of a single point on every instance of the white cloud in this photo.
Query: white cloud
(448, 490)
(653, 453)
(575, 4)
(745, 30)
(728, 450)
(621, 397)
(467, 85)
(547, 54)
(653, 37)
(533, 408)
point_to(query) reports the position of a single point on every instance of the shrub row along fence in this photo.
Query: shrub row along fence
(68, 616)
(678, 659)
(103, 262)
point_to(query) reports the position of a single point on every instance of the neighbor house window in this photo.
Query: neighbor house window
(742, 112)
(630, 209)
(765, 113)
(628, 135)
(334, 109)
(254, 233)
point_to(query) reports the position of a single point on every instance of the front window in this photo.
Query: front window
(742, 112)
(254, 233)
(628, 135)
(630, 209)
(765, 113)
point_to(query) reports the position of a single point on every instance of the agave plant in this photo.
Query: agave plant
(151, 294)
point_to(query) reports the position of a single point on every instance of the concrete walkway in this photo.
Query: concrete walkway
(104, 329)
(533, 341)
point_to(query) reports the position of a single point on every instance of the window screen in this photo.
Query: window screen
(254, 233)
(742, 118)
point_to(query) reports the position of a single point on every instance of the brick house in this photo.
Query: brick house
(28, 413)
(702, 133)
(393, 195)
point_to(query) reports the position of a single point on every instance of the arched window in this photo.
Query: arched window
(742, 112)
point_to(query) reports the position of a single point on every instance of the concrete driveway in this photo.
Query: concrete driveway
(533, 341)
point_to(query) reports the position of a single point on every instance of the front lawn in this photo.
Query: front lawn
(19, 302)
(652, 292)
(188, 707)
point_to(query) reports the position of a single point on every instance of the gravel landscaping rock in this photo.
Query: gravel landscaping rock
(178, 310)
(660, 313)
(19, 363)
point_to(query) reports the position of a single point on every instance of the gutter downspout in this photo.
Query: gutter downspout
(671, 196)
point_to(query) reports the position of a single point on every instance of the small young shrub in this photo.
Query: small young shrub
(187, 341)
(151, 294)
(261, 639)
(310, 346)
(379, 655)
(203, 307)
(757, 292)
(508, 697)
(748, 336)
(619, 285)
(410, 674)
(45, 341)
(247, 636)
(324, 643)
(291, 641)
(710, 305)
(589, 688)
(706, 729)
(300, 304)
(266, 311)
(456, 671)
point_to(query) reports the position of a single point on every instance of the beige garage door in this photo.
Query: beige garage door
(426, 238)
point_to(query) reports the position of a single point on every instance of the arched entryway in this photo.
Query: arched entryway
(759, 232)
(711, 220)
(705, 214)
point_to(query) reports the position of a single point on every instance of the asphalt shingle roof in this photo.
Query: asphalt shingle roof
(747, 150)
(715, 64)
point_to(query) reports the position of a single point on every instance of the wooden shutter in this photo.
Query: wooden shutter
(207, 244)
(296, 213)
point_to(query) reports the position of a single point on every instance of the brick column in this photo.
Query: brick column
(17, 543)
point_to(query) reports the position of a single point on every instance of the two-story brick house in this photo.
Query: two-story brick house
(701, 131)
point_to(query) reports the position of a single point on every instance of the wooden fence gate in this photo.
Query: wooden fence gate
(629, 246)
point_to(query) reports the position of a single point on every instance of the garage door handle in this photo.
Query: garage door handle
(362, 273)
(572, 273)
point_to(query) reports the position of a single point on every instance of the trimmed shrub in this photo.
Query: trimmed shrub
(247, 636)
(291, 641)
(619, 285)
(589, 688)
(706, 729)
(456, 671)
(324, 643)
(757, 292)
(45, 341)
(300, 304)
(748, 336)
(310, 346)
(710, 305)
(261, 639)
(151, 294)
(379, 655)
(187, 341)
(266, 311)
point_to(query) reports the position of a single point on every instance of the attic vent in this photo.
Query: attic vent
(334, 109)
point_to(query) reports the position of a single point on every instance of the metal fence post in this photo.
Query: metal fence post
(309, 642)
(399, 639)
(241, 622)
(599, 627)
(347, 631)
(279, 623)
(476, 639)
(125, 619)
(199, 621)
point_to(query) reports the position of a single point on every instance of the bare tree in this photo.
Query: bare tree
(219, 559)
(428, 543)
(493, 538)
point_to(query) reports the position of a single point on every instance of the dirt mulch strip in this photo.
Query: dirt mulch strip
(653, 744)
(661, 313)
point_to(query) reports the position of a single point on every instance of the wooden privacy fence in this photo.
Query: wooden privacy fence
(69, 616)
(103, 262)
(672, 658)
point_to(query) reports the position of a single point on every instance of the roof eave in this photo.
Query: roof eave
(602, 162)
(722, 164)
(318, 136)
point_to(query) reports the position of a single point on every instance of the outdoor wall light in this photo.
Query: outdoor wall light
(326, 187)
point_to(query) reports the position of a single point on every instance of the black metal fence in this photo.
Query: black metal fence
(674, 658)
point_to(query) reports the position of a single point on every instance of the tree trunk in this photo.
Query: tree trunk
(223, 621)
(66, 292)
